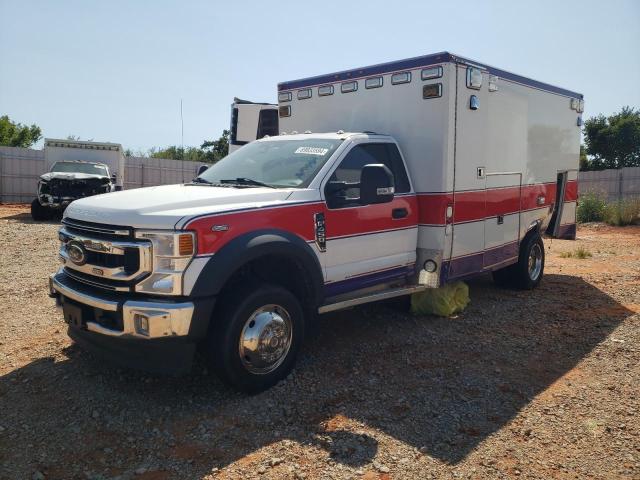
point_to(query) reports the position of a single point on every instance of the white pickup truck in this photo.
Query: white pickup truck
(469, 168)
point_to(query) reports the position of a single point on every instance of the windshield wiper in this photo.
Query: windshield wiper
(246, 181)
(200, 180)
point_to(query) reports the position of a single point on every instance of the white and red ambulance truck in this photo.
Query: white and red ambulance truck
(384, 181)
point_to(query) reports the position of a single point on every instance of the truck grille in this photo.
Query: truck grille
(103, 256)
(81, 227)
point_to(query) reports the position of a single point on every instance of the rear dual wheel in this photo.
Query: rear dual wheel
(256, 334)
(527, 273)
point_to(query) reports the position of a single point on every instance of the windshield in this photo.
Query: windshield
(275, 163)
(77, 167)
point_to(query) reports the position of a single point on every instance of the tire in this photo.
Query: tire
(527, 273)
(243, 320)
(38, 212)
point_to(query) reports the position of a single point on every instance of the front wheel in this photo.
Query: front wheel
(255, 337)
(39, 212)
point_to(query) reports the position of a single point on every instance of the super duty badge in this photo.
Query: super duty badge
(321, 233)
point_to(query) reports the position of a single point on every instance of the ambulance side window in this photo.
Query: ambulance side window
(267, 123)
(350, 168)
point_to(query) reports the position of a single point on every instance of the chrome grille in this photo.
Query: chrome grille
(100, 260)
(96, 228)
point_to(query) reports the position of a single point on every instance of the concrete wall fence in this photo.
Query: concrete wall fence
(21, 167)
(613, 185)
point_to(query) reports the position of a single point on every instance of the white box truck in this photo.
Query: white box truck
(76, 169)
(385, 181)
(250, 121)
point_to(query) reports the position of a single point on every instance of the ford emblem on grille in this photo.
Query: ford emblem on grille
(76, 253)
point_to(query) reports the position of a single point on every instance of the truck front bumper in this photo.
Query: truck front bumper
(148, 334)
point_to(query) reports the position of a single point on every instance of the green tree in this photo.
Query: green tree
(209, 152)
(174, 152)
(585, 164)
(217, 148)
(17, 135)
(614, 141)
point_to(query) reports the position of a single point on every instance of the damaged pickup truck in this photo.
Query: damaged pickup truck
(67, 181)
(76, 169)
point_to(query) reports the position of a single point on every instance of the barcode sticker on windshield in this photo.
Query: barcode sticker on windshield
(312, 150)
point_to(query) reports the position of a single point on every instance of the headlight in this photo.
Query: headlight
(171, 254)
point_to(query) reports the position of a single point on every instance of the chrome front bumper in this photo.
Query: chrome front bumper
(140, 318)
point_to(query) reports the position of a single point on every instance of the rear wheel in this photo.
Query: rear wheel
(527, 273)
(40, 213)
(256, 335)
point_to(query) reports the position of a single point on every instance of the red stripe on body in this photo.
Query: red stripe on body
(479, 204)
(425, 208)
(571, 191)
(433, 207)
(343, 222)
(296, 219)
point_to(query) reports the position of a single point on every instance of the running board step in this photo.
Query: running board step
(374, 297)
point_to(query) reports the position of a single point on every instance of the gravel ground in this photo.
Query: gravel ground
(540, 384)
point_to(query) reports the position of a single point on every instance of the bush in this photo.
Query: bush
(624, 212)
(579, 252)
(591, 208)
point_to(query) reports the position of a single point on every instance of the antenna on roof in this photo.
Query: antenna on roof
(182, 139)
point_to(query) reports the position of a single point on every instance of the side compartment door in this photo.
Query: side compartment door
(369, 244)
(502, 219)
(470, 172)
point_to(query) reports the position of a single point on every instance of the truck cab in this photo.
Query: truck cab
(240, 262)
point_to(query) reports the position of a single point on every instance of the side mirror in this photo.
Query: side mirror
(114, 177)
(202, 169)
(376, 184)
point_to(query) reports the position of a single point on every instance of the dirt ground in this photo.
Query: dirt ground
(540, 384)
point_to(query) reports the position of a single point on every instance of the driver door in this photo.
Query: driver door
(369, 244)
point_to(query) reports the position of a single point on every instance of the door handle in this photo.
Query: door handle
(399, 213)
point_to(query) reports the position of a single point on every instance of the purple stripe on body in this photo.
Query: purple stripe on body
(567, 232)
(417, 62)
(368, 280)
(499, 254)
(478, 263)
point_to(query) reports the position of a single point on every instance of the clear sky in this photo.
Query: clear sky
(116, 70)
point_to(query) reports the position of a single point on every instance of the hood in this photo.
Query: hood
(162, 207)
(70, 176)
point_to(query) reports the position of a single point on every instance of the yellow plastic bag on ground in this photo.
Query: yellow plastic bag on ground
(443, 301)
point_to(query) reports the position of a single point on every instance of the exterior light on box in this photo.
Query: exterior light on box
(474, 78)
(493, 83)
(430, 266)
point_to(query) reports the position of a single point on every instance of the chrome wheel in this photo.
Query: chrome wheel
(265, 339)
(535, 262)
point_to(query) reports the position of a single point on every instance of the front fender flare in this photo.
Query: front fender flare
(250, 246)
